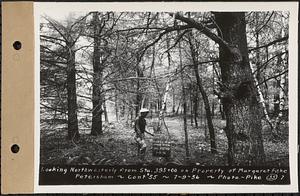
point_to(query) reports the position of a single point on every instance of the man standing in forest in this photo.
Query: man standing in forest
(140, 129)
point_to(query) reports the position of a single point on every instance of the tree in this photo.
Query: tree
(73, 133)
(241, 106)
(263, 27)
(203, 94)
(97, 98)
(187, 152)
(237, 91)
(66, 37)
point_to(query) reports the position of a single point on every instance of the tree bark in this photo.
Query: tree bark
(213, 86)
(139, 73)
(222, 111)
(178, 107)
(173, 100)
(257, 79)
(196, 98)
(281, 84)
(97, 80)
(201, 113)
(262, 101)
(280, 96)
(187, 152)
(191, 105)
(105, 111)
(116, 107)
(241, 107)
(73, 132)
(204, 97)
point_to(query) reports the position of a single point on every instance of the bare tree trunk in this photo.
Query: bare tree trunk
(201, 113)
(266, 92)
(281, 90)
(257, 79)
(97, 80)
(191, 105)
(241, 107)
(131, 114)
(238, 92)
(262, 100)
(213, 86)
(187, 152)
(196, 98)
(116, 107)
(179, 104)
(105, 111)
(138, 95)
(73, 132)
(204, 97)
(139, 73)
(222, 111)
(205, 126)
(174, 101)
(281, 84)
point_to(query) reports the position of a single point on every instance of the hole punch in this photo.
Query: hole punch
(15, 148)
(17, 45)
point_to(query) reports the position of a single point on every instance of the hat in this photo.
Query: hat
(144, 110)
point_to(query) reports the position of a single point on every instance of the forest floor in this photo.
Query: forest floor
(117, 146)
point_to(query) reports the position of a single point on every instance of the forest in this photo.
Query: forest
(215, 85)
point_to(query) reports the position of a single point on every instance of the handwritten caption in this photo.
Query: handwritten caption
(161, 175)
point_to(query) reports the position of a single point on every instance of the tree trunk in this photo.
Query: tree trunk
(178, 107)
(73, 132)
(174, 101)
(116, 107)
(281, 66)
(105, 111)
(266, 92)
(241, 107)
(204, 97)
(187, 152)
(191, 105)
(205, 126)
(280, 96)
(196, 107)
(207, 111)
(97, 80)
(139, 73)
(213, 86)
(222, 111)
(257, 79)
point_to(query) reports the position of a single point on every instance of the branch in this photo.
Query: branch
(203, 29)
(140, 28)
(80, 20)
(258, 30)
(54, 63)
(131, 78)
(48, 50)
(271, 43)
(46, 37)
(55, 109)
(82, 47)
(177, 40)
(51, 22)
(167, 30)
(285, 71)
(268, 61)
